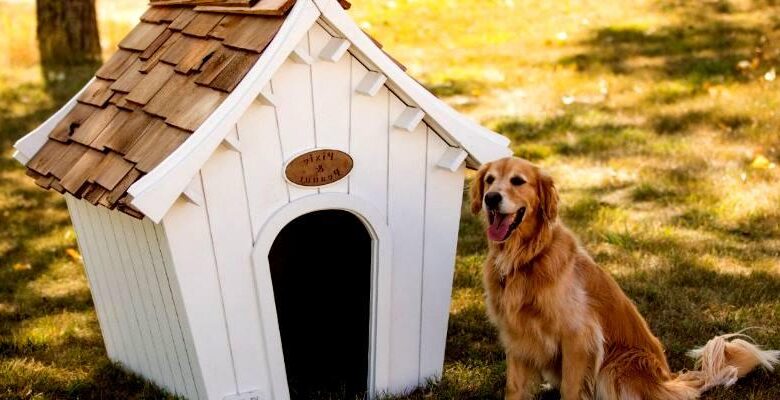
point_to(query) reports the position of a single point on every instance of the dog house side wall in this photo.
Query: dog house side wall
(136, 297)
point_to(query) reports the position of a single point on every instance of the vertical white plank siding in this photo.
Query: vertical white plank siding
(112, 310)
(176, 383)
(179, 362)
(142, 329)
(151, 296)
(231, 234)
(332, 93)
(406, 211)
(83, 237)
(117, 314)
(262, 160)
(369, 127)
(168, 290)
(127, 266)
(292, 89)
(194, 379)
(126, 319)
(444, 193)
(189, 239)
(147, 249)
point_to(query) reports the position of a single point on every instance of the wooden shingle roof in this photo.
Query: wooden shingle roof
(168, 75)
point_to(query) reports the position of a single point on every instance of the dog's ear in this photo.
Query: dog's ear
(478, 189)
(548, 197)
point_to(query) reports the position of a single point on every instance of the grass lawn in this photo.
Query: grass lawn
(660, 121)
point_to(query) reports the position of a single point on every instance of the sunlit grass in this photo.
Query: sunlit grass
(652, 116)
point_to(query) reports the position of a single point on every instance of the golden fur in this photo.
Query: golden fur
(562, 318)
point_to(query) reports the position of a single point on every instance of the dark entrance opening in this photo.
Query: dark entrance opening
(321, 273)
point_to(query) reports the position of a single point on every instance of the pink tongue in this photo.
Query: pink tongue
(498, 229)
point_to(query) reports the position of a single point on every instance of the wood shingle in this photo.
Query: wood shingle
(77, 176)
(151, 84)
(97, 93)
(142, 36)
(111, 170)
(202, 24)
(73, 120)
(254, 34)
(116, 65)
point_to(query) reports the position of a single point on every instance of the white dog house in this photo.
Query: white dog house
(266, 203)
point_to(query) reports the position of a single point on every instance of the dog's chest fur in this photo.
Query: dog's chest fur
(533, 308)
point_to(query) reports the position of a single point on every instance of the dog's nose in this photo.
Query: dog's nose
(493, 199)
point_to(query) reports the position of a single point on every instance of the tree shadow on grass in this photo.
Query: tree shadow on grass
(705, 47)
(592, 132)
(575, 133)
(674, 123)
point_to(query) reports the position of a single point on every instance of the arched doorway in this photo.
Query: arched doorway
(320, 266)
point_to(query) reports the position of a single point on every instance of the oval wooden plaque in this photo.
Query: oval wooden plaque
(319, 167)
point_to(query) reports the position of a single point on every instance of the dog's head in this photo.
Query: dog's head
(515, 194)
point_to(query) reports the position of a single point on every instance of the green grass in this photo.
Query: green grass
(648, 114)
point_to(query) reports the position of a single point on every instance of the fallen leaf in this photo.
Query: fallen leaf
(21, 267)
(74, 254)
(761, 162)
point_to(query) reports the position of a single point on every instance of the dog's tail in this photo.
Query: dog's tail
(720, 362)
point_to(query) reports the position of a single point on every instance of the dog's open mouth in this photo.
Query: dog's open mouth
(502, 225)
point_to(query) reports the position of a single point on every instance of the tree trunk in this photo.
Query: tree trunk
(68, 40)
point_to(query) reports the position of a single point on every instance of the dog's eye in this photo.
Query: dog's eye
(489, 180)
(517, 181)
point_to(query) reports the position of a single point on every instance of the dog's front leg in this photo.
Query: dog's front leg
(519, 379)
(578, 369)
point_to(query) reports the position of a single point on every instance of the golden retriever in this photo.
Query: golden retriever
(562, 318)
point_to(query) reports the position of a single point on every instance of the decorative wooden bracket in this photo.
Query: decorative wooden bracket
(409, 119)
(371, 84)
(194, 191)
(231, 141)
(452, 159)
(334, 50)
(266, 98)
(300, 56)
